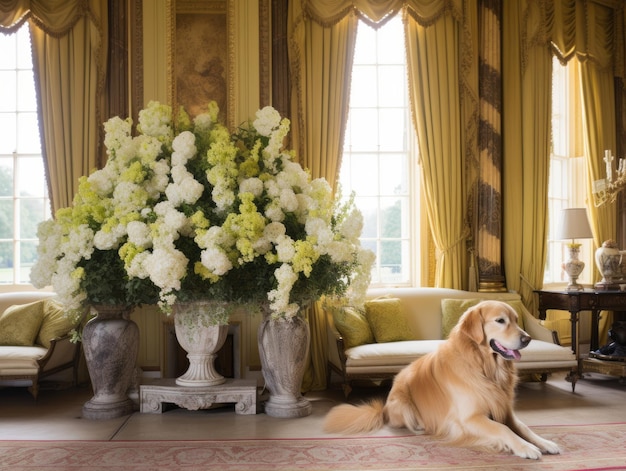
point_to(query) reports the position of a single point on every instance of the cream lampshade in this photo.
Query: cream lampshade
(574, 224)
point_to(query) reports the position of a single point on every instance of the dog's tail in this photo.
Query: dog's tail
(349, 419)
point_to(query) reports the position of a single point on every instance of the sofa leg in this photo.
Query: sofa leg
(347, 389)
(34, 389)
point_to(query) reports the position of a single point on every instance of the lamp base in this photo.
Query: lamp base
(573, 286)
(573, 267)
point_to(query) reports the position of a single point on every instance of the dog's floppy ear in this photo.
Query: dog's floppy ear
(472, 324)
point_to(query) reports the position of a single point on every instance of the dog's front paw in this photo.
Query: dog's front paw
(548, 447)
(527, 450)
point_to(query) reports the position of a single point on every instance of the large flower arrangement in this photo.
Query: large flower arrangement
(190, 211)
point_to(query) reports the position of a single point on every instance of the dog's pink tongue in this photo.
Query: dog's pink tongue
(516, 354)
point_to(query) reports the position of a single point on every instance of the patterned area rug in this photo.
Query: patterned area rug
(589, 447)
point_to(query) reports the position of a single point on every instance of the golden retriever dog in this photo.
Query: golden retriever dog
(462, 393)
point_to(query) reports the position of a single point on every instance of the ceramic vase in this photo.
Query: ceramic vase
(284, 348)
(608, 260)
(201, 332)
(111, 344)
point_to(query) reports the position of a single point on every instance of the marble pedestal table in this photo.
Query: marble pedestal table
(154, 393)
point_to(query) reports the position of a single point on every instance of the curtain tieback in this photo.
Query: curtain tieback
(464, 235)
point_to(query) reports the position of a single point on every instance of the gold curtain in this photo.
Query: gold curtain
(443, 87)
(527, 97)
(593, 32)
(321, 63)
(69, 39)
(321, 46)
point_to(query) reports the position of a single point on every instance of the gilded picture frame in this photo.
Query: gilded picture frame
(200, 49)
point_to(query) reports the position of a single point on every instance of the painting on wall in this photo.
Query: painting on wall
(200, 56)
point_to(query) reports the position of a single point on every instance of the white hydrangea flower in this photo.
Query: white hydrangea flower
(266, 120)
(252, 185)
(139, 233)
(167, 267)
(288, 200)
(319, 229)
(184, 146)
(285, 248)
(137, 267)
(216, 261)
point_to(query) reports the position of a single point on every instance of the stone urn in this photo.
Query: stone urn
(284, 349)
(111, 344)
(201, 330)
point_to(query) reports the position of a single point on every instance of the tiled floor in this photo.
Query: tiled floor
(56, 415)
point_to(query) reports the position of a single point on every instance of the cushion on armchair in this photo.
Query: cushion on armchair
(453, 309)
(20, 323)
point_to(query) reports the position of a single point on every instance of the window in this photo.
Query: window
(566, 187)
(379, 154)
(23, 192)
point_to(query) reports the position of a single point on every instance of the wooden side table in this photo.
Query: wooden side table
(586, 300)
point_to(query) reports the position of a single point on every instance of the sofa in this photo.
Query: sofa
(407, 323)
(34, 340)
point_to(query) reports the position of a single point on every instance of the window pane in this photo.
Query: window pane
(8, 130)
(6, 262)
(392, 129)
(6, 219)
(28, 134)
(365, 44)
(7, 90)
(393, 217)
(394, 179)
(32, 212)
(7, 46)
(364, 130)
(390, 94)
(364, 174)
(26, 98)
(24, 50)
(391, 43)
(391, 256)
(30, 177)
(28, 256)
(6, 177)
(369, 208)
(360, 90)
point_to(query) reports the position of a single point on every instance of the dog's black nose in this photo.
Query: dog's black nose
(525, 340)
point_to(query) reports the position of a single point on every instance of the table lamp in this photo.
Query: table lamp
(574, 224)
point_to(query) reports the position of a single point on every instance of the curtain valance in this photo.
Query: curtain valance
(55, 17)
(587, 29)
(376, 12)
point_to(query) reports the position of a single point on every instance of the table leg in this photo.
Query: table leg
(574, 320)
(595, 330)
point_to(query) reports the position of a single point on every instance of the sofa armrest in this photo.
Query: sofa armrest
(538, 331)
(62, 354)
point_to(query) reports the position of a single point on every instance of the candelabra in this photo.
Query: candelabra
(606, 190)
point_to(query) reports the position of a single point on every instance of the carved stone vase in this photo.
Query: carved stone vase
(284, 348)
(201, 330)
(111, 344)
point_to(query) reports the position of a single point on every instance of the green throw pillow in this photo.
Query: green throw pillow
(55, 323)
(388, 322)
(353, 327)
(453, 309)
(20, 323)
